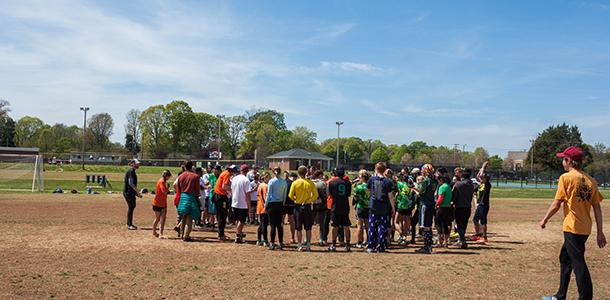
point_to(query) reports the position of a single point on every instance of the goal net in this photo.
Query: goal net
(21, 172)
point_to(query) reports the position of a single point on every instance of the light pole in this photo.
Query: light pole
(84, 109)
(218, 140)
(338, 135)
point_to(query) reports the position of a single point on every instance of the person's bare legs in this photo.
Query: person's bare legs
(308, 236)
(240, 228)
(183, 225)
(155, 223)
(189, 226)
(360, 231)
(162, 225)
(299, 237)
(348, 236)
(293, 229)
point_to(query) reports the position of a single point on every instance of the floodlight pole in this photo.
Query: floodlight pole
(84, 109)
(338, 136)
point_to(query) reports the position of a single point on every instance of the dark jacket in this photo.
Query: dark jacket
(463, 191)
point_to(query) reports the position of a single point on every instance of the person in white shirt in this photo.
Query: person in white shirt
(241, 191)
(254, 182)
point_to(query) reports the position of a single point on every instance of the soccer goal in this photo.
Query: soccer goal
(21, 172)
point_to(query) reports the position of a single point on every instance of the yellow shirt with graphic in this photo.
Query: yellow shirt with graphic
(578, 191)
(303, 191)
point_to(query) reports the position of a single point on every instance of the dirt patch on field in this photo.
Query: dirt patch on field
(76, 246)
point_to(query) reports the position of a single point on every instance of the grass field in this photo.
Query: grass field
(76, 246)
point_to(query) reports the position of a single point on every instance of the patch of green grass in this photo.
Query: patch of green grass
(530, 193)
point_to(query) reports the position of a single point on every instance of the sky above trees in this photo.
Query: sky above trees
(477, 73)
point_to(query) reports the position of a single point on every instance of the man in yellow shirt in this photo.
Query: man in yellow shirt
(303, 192)
(578, 192)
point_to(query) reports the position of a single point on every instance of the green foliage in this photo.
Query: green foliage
(179, 116)
(495, 163)
(552, 140)
(99, 130)
(155, 131)
(380, 154)
(27, 130)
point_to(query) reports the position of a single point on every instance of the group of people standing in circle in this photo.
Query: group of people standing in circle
(387, 207)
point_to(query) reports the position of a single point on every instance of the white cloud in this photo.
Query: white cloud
(350, 66)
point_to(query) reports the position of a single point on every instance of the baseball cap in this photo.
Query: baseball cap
(244, 167)
(572, 152)
(135, 161)
(231, 167)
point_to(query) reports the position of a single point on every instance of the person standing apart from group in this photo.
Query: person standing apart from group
(578, 192)
(130, 191)
(160, 203)
(303, 192)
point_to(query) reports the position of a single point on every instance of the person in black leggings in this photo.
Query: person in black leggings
(274, 205)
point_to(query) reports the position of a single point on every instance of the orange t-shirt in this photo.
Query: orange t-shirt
(223, 179)
(161, 192)
(577, 191)
(262, 197)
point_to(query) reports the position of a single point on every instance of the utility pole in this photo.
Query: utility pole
(84, 109)
(218, 138)
(464, 155)
(338, 135)
(532, 158)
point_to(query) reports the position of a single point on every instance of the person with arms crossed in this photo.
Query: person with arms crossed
(578, 192)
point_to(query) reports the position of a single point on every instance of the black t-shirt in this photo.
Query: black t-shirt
(483, 196)
(289, 201)
(131, 173)
(380, 188)
(340, 190)
(463, 191)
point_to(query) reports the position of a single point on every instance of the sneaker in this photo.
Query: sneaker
(239, 240)
(279, 246)
(369, 250)
(308, 246)
(271, 247)
(259, 243)
(348, 248)
(300, 247)
(223, 238)
(358, 245)
(423, 250)
(549, 298)
(322, 243)
(475, 238)
(132, 227)
(265, 244)
(332, 248)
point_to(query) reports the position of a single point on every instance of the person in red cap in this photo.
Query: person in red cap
(578, 192)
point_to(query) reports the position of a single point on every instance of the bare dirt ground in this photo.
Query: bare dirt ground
(76, 246)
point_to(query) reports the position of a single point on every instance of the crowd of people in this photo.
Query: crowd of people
(405, 207)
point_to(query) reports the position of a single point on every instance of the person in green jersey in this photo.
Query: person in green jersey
(443, 210)
(361, 201)
(404, 208)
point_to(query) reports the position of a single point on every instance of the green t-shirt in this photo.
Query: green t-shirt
(403, 197)
(445, 189)
(363, 196)
(212, 180)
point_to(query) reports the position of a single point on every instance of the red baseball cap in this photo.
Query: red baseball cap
(572, 152)
(244, 167)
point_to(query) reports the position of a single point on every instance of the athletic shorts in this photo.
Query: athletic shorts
(362, 213)
(426, 216)
(339, 219)
(240, 214)
(405, 212)
(158, 208)
(289, 210)
(480, 214)
(303, 217)
(444, 216)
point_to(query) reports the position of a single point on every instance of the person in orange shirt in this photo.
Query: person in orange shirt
(578, 192)
(263, 218)
(221, 199)
(160, 204)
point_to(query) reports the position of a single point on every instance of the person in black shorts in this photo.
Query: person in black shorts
(340, 190)
(289, 204)
(130, 191)
(480, 213)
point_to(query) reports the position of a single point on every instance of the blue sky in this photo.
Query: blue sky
(480, 73)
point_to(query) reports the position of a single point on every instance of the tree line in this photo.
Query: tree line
(175, 130)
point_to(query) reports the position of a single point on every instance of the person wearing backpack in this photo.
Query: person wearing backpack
(380, 207)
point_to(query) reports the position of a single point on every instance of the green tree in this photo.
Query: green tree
(480, 155)
(132, 131)
(45, 139)
(495, 163)
(398, 153)
(99, 128)
(303, 138)
(27, 130)
(232, 133)
(202, 133)
(417, 147)
(179, 116)
(552, 140)
(7, 131)
(155, 131)
(260, 129)
(380, 154)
